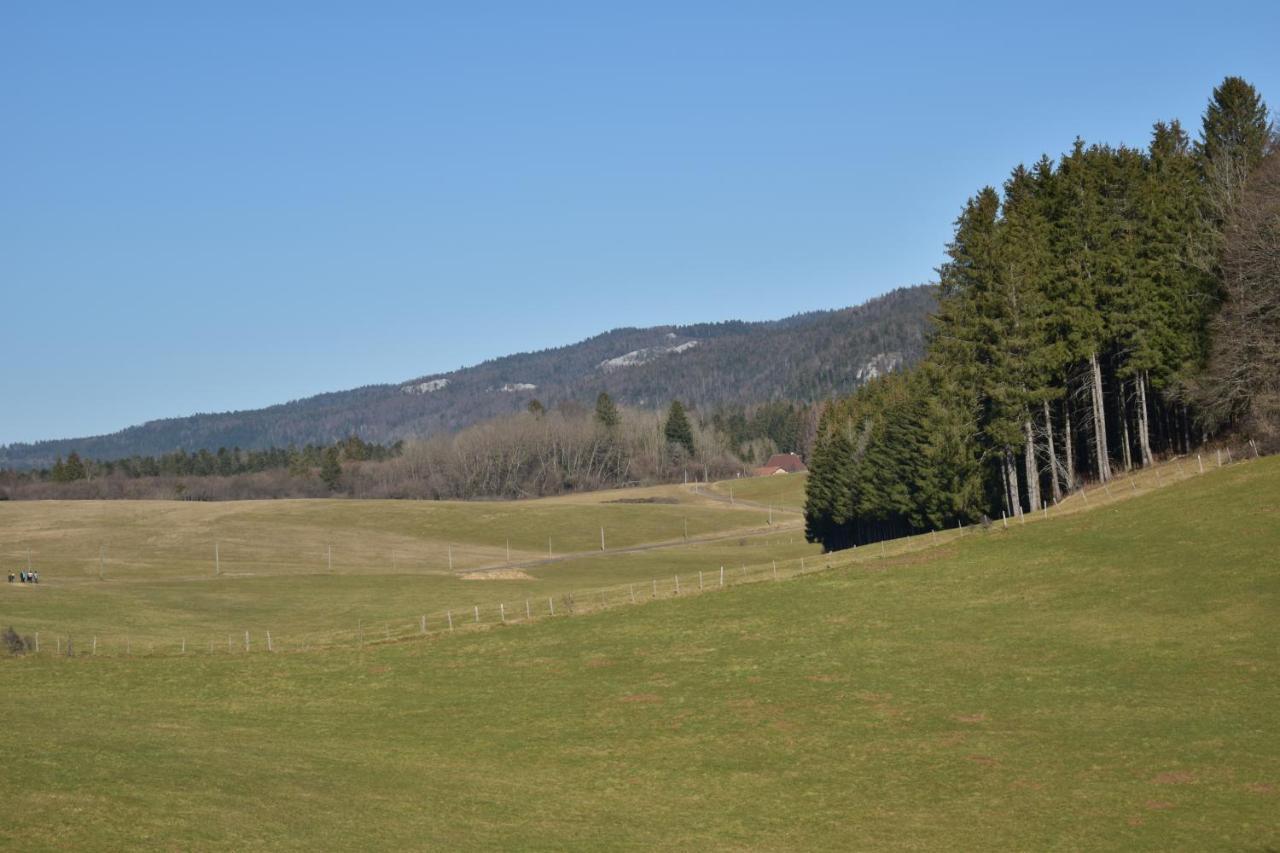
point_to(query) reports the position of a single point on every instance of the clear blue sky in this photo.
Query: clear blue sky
(226, 205)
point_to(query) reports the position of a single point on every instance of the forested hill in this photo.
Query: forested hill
(805, 357)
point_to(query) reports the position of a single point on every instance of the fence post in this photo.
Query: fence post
(677, 584)
(775, 569)
(633, 593)
(246, 641)
(699, 581)
(802, 564)
(1219, 452)
(722, 576)
(1228, 455)
(601, 538)
(551, 605)
(422, 625)
(449, 615)
(1199, 463)
(269, 647)
(184, 645)
(1254, 445)
(502, 612)
(95, 645)
(477, 609)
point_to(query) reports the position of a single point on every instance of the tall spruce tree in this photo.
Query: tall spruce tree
(677, 429)
(607, 412)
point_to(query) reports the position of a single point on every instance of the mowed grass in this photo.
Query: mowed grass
(784, 491)
(1107, 679)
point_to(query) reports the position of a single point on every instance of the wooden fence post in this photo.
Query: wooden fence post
(449, 615)
(699, 581)
(633, 593)
(477, 609)
(246, 641)
(775, 569)
(1199, 463)
(528, 610)
(422, 625)
(722, 576)
(551, 605)
(502, 612)
(269, 647)
(677, 584)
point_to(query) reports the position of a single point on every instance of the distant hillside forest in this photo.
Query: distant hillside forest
(805, 358)
(1102, 309)
(534, 453)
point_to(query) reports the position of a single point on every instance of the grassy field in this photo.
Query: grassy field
(784, 491)
(1104, 679)
(390, 560)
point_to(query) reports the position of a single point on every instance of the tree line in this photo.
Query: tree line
(1091, 316)
(541, 451)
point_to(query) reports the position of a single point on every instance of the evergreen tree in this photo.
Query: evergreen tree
(606, 412)
(536, 408)
(1235, 128)
(331, 469)
(677, 429)
(74, 468)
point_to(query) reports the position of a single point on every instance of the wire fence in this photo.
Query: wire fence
(520, 610)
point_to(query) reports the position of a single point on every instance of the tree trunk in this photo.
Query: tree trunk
(1015, 496)
(1124, 424)
(1033, 470)
(1070, 446)
(1053, 455)
(1144, 426)
(1099, 420)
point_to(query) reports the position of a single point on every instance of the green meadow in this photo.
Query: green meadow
(1108, 678)
(782, 491)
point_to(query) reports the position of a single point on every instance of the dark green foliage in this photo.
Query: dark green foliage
(607, 412)
(535, 407)
(1235, 126)
(677, 430)
(331, 469)
(1082, 294)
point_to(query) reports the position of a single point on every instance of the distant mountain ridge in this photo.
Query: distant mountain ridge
(807, 356)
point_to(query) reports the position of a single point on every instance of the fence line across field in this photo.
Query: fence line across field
(230, 556)
(589, 600)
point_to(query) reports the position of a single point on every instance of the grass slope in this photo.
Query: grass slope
(1106, 679)
(783, 491)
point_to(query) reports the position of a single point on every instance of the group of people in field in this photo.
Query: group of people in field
(26, 577)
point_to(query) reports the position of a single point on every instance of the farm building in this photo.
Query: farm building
(780, 463)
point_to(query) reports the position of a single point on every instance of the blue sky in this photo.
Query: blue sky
(243, 203)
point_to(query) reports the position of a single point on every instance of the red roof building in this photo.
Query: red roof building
(782, 463)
